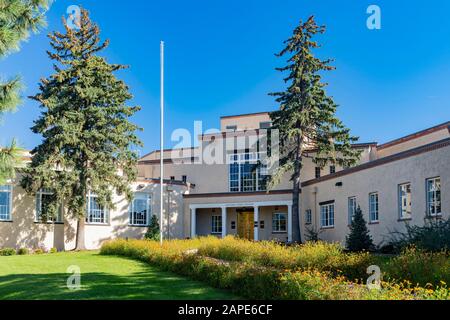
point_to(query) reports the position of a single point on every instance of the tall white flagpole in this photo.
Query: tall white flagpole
(161, 182)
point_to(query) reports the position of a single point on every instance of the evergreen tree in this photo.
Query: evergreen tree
(87, 135)
(306, 121)
(153, 232)
(17, 19)
(359, 238)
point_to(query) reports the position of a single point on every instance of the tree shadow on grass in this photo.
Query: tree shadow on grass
(147, 285)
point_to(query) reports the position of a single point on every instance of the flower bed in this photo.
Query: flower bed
(267, 270)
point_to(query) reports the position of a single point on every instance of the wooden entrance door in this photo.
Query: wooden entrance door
(246, 225)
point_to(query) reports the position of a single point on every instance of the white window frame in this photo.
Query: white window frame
(308, 216)
(332, 169)
(240, 159)
(277, 217)
(317, 172)
(39, 195)
(7, 216)
(352, 207)
(402, 197)
(327, 215)
(216, 224)
(88, 210)
(131, 214)
(374, 207)
(432, 195)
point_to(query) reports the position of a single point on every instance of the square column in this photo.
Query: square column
(224, 222)
(289, 224)
(193, 223)
(256, 223)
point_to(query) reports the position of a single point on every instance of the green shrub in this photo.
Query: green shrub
(23, 251)
(312, 234)
(433, 236)
(39, 251)
(359, 238)
(7, 252)
(153, 232)
(53, 250)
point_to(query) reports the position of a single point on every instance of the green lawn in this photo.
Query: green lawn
(102, 277)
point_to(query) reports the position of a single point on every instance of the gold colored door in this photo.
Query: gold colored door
(246, 225)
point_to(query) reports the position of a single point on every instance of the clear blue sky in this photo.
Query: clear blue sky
(220, 61)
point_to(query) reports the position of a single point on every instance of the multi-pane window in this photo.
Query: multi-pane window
(140, 209)
(5, 203)
(332, 169)
(265, 125)
(216, 224)
(246, 173)
(96, 214)
(404, 199)
(327, 215)
(373, 207)
(279, 222)
(317, 172)
(308, 216)
(351, 209)
(434, 196)
(44, 199)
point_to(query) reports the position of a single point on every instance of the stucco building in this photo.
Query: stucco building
(219, 188)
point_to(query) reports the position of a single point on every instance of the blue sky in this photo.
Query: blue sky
(220, 61)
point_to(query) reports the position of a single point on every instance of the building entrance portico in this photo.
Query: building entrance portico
(265, 220)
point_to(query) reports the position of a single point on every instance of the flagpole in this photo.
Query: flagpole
(161, 181)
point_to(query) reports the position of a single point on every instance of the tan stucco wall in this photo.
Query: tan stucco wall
(244, 122)
(414, 143)
(383, 179)
(24, 232)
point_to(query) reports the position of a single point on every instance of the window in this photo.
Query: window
(265, 125)
(373, 207)
(216, 224)
(172, 178)
(140, 209)
(279, 222)
(404, 200)
(231, 128)
(434, 196)
(332, 169)
(308, 216)
(5, 203)
(43, 202)
(246, 174)
(327, 215)
(96, 214)
(351, 209)
(184, 179)
(317, 172)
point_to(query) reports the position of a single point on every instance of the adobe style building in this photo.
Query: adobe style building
(220, 188)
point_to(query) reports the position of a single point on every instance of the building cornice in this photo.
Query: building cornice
(235, 194)
(375, 163)
(443, 126)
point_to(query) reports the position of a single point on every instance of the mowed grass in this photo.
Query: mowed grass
(45, 277)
